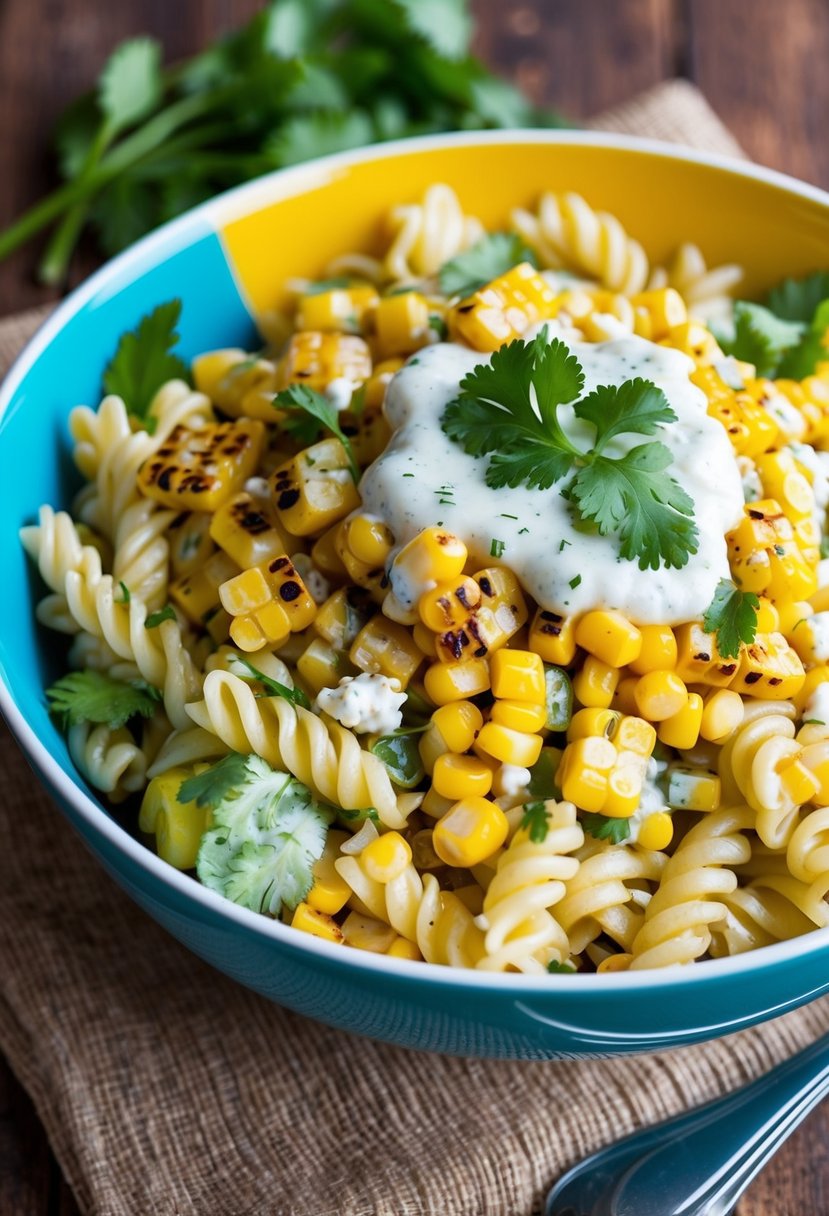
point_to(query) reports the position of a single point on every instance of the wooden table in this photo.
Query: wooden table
(762, 65)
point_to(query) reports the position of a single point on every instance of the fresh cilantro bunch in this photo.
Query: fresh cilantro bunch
(98, 698)
(788, 335)
(508, 409)
(301, 79)
(732, 616)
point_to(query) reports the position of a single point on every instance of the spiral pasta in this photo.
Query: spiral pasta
(599, 897)
(706, 291)
(754, 761)
(110, 760)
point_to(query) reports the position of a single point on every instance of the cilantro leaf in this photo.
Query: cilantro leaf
(304, 403)
(760, 337)
(798, 299)
(304, 136)
(536, 821)
(802, 360)
(143, 361)
(543, 775)
(93, 696)
(401, 756)
(130, 86)
(487, 259)
(603, 827)
(444, 24)
(211, 787)
(167, 613)
(274, 688)
(635, 406)
(556, 968)
(732, 616)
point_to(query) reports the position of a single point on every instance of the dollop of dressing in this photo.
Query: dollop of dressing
(424, 479)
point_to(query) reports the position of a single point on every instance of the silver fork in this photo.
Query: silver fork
(700, 1162)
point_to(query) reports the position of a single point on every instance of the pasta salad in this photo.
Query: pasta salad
(482, 616)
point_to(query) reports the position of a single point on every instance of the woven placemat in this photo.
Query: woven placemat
(166, 1090)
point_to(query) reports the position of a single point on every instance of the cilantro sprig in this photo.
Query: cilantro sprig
(508, 410)
(273, 688)
(308, 411)
(788, 335)
(536, 821)
(489, 258)
(143, 361)
(604, 827)
(732, 616)
(93, 696)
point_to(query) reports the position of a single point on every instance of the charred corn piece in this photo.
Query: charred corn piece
(190, 542)
(503, 309)
(664, 308)
(769, 668)
(384, 647)
(500, 614)
(553, 637)
(246, 529)
(197, 595)
(363, 544)
(749, 427)
(790, 421)
(449, 604)
(379, 381)
(764, 555)
(401, 323)
(698, 659)
(267, 603)
(241, 385)
(315, 489)
(695, 340)
(321, 666)
(315, 359)
(369, 434)
(319, 924)
(341, 310)
(342, 616)
(200, 470)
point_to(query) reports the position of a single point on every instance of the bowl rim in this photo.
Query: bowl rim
(221, 209)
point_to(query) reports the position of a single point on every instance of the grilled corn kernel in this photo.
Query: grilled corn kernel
(458, 777)
(610, 637)
(315, 359)
(449, 604)
(698, 659)
(178, 826)
(660, 695)
(553, 637)
(370, 575)
(401, 948)
(656, 832)
(722, 713)
(267, 603)
(329, 893)
(447, 682)
(469, 832)
(692, 789)
(502, 611)
(341, 310)
(769, 668)
(240, 384)
(503, 309)
(342, 616)
(665, 309)
(386, 857)
(383, 647)
(518, 675)
(768, 618)
(197, 594)
(318, 924)
(458, 723)
(401, 323)
(519, 715)
(379, 381)
(315, 489)
(681, 730)
(247, 531)
(321, 666)
(199, 470)
(507, 745)
(658, 651)
(595, 683)
(190, 543)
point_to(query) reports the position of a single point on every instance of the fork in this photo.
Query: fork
(700, 1162)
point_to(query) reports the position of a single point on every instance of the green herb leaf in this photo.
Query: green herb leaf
(401, 756)
(543, 775)
(487, 259)
(760, 337)
(130, 87)
(125, 592)
(358, 816)
(143, 361)
(603, 827)
(732, 616)
(211, 787)
(798, 299)
(536, 821)
(275, 689)
(556, 968)
(305, 404)
(444, 24)
(310, 135)
(93, 696)
(322, 285)
(167, 613)
(802, 360)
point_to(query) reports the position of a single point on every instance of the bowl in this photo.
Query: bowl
(227, 260)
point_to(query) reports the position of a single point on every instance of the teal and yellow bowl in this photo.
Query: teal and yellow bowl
(227, 261)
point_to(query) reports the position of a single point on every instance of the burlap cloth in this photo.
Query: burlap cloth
(164, 1088)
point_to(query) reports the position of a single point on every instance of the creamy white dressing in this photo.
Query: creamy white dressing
(818, 625)
(651, 800)
(567, 570)
(368, 704)
(816, 708)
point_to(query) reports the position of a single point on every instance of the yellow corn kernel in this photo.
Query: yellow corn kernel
(553, 637)
(267, 603)
(799, 781)
(315, 359)
(318, 924)
(458, 724)
(784, 482)
(623, 698)
(342, 310)
(519, 715)
(656, 832)
(329, 892)
(369, 433)
(321, 666)
(469, 832)
(369, 539)
(402, 948)
(681, 730)
(356, 534)
(768, 617)
(692, 789)
(315, 489)
(458, 777)
(518, 675)
(431, 745)
(792, 612)
(434, 804)
(199, 470)
(812, 681)
(197, 595)
(247, 531)
(383, 647)
(665, 309)
(593, 723)
(634, 735)
(502, 611)
(698, 659)
(342, 616)
(660, 695)
(751, 429)
(240, 384)
(508, 746)
(449, 604)
(658, 652)
(425, 640)
(815, 757)
(584, 772)
(695, 340)
(365, 933)
(610, 637)
(595, 683)
(445, 682)
(503, 309)
(769, 668)
(401, 323)
(386, 857)
(190, 543)
(178, 826)
(379, 381)
(722, 713)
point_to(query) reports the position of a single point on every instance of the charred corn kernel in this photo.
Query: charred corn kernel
(722, 713)
(764, 556)
(447, 682)
(434, 804)
(810, 638)
(658, 651)
(815, 757)
(458, 777)
(321, 666)
(344, 309)
(681, 730)
(315, 489)
(190, 544)
(792, 613)
(624, 699)
(750, 428)
(365, 933)
(458, 724)
(425, 640)
(769, 668)
(354, 534)
(433, 556)
(379, 381)
(784, 482)
(553, 637)
(178, 826)
(593, 723)
(695, 340)
(518, 675)
(449, 604)
(329, 893)
(812, 681)
(469, 832)
(199, 470)
(369, 434)
(656, 832)
(502, 611)
(660, 695)
(197, 594)
(318, 924)
(503, 309)
(267, 602)
(692, 789)
(386, 857)
(246, 529)
(610, 637)
(240, 384)
(401, 948)
(792, 424)
(665, 309)
(315, 359)
(698, 659)
(368, 539)
(595, 683)
(584, 772)
(519, 715)
(768, 618)
(383, 647)
(401, 323)
(342, 616)
(507, 745)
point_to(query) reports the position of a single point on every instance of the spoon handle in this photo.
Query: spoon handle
(703, 1171)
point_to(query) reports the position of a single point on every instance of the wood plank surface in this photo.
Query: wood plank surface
(761, 63)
